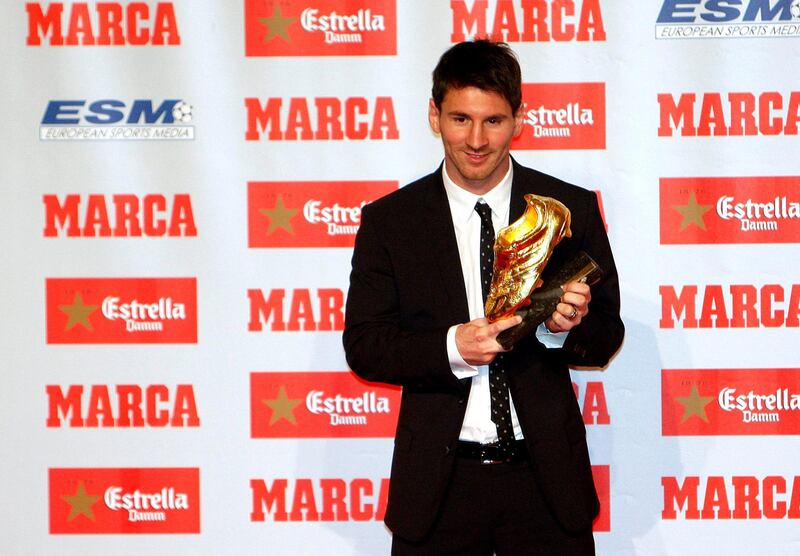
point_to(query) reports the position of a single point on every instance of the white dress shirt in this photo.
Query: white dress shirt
(478, 425)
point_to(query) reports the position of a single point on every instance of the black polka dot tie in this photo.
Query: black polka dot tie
(498, 385)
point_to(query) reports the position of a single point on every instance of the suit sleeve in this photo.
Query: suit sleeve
(600, 333)
(381, 342)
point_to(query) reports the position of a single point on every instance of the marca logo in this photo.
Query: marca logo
(730, 210)
(102, 24)
(334, 499)
(321, 405)
(308, 214)
(353, 118)
(742, 113)
(121, 310)
(320, 28)
(707, 402)
(360, 499)
(150, 215)
(602, 484)
(563, 116)
(124, 500)
(592, 400)
(736, 497)
(528, 20)
(324, 313)
(114, 120)
(155, 405)
(733, 306)
(715, 19)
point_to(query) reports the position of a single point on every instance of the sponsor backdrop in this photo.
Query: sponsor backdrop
(181, 185)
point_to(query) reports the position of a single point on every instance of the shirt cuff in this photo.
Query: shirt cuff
(550, 340)
(461, 369)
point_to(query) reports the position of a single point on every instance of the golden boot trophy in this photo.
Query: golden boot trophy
(521, 252)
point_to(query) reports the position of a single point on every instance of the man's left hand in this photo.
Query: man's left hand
(574, 305)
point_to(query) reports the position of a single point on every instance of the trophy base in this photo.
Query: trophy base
(542, 303)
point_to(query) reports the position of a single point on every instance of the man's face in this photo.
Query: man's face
(477, 127)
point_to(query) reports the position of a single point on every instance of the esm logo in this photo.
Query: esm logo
(718, 11)
(715, 19)
(113, 119)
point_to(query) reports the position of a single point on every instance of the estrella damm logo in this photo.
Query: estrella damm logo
(309, 214)
(706, 210)
(563, 116)
(717, 402)
(121, 310)
(320, 27)
(124, 500)
(321, 405)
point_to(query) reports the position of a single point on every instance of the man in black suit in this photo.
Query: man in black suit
(462, 482)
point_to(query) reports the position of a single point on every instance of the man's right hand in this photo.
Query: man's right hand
(476, 340)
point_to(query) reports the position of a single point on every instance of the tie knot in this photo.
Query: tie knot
(484, 211)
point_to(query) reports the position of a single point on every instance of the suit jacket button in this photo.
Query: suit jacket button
(461, 401)
(447, 450)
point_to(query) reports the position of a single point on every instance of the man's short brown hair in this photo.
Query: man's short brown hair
(489, 66)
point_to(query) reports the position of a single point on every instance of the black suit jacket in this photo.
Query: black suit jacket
(407, 289)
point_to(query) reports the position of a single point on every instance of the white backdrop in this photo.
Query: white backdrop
(247, 199)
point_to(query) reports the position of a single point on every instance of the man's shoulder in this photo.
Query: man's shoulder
(551, 186)
(409, 196)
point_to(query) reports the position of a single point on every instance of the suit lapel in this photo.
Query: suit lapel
(442, 238)
(518, 190)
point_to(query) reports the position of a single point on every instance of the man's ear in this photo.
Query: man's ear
(519, 119)
(433, 116)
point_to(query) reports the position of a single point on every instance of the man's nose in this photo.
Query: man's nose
(476, 138)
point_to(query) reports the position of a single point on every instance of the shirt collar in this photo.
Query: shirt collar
(462, 202)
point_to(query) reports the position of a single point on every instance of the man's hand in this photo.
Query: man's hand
(573, 307)
(476, 340)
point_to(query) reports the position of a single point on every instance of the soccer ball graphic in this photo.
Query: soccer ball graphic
(795, 9)
(182, 112)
